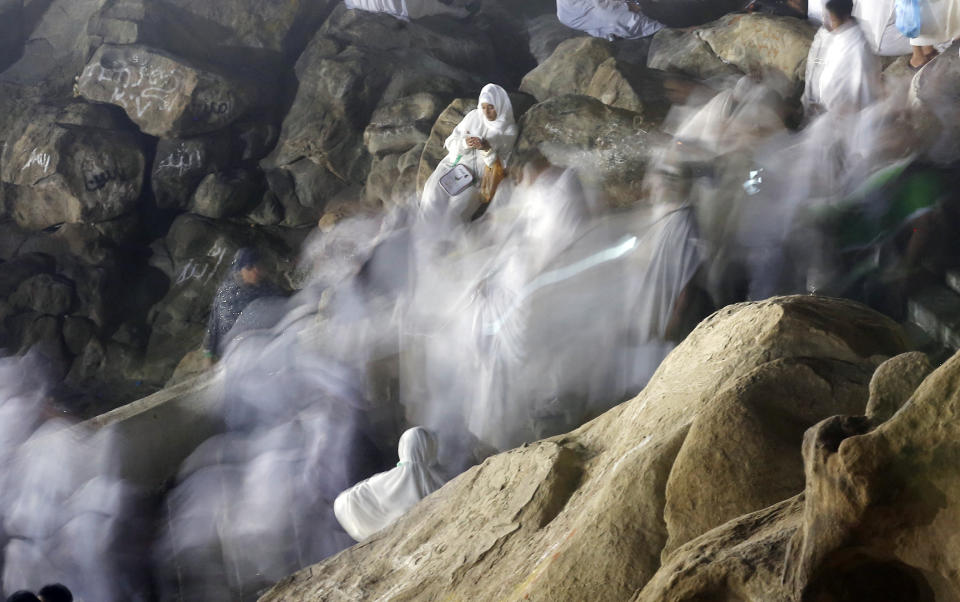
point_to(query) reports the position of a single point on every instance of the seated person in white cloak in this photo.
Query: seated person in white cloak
(877, 19)
(409, 9)
(377, 502)
(608, 19)
(484, 137)
(843, 75)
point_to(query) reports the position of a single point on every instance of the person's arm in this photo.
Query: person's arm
(499, 147)
(456, 143)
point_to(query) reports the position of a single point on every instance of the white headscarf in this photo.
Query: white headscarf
(495, 95)
(377, 502)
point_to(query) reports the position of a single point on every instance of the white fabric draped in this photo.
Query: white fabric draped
(407, 9)
(500, 133)
(377, 502)
(606, 19)
(940, 22)
(843, 75)
(878, 21)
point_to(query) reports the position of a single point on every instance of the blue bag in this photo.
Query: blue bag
(909, 20)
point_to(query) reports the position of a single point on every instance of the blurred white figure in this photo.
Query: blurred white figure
(607, 19)
(843, 75)
(939, 26)
(377, 502)
(878, 20)
(408, 9)
(486, 135)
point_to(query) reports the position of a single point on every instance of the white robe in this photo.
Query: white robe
(878, 21)
(606, 19)
(501, 134)
(940, 22)
(407, 9)
(843, 75)
(377, 502)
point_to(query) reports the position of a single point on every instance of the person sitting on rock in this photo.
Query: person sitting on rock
(482, 141)
(413, 9)
(55, 592)
(843, 75)
(244, 284)
(607, 19)
(377, 502)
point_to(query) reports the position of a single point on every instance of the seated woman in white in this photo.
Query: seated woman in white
(486, 135)
(607, 19)
(377, 502)
(408, 9)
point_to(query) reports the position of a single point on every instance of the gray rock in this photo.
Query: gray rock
(11, 31)
(607, 146)
(165, 96)
(21, 268)
(360, 61)
(631, 87)
(894, 381)
(42, 335)
(45, 294)
(545, 33)
(569, 69)
(399, 125)
(181, 164)
(81, 241)
(226, 194)
(77, 332)
(681, 51)
(12, 238)
(269, 212)
(64, 173)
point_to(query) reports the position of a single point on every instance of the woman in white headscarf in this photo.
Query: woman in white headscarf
(607, 19)
(377, 502)
(409, 9)
(484, 137)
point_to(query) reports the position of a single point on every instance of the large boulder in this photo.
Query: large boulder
(608, 147)
(360, 63)
(181, 164)
(165, 96)
(569, 69)
(65, 172)
(735, 44)
(881, 504)
(581, 516)
(57, 43)
(632, 87)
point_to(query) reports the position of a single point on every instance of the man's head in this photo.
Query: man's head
(246, 264)
(55, 592)
(22, 596)
(840, 12)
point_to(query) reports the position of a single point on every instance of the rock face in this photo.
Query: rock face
(607, 146)
(569, 69)
(587, 515)
(11, 31)
(163, 95)
(737, 44)
(63, 172)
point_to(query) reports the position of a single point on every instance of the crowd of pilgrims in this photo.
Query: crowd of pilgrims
(846, 193)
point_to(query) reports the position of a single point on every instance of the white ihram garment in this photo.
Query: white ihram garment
(407, 9)
(940, 22)
(606, 19)
(377, 502)
(877, 19)
(500, 133)
(842, 74)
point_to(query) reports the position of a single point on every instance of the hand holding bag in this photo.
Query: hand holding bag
(457, 179)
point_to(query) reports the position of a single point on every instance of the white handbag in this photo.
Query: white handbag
(457, 179)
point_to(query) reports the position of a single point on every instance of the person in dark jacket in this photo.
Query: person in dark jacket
(244, 284)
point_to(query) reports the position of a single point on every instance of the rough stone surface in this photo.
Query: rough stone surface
(607, 146)
(894, 382)
(581, 516)
(758, 43)
(165, 96)
(625, 86)
(181, 164)
(65, 173)
(226, 194)
(681, 51)
(569, 70)
(45, 294)
(11, 31)
(545, 33)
